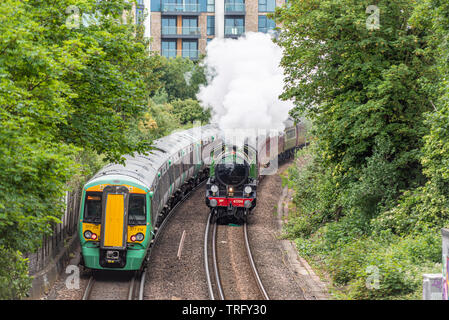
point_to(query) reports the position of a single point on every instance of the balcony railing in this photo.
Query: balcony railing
(234, 31)
(234, 7)
(191, 31)
(174, 7)
(192, 54)
(185, 31)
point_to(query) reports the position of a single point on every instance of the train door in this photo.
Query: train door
(114, 226)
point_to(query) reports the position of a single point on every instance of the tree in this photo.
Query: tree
(365, 90)
(62, 92)
(181, 77)
(189, 111)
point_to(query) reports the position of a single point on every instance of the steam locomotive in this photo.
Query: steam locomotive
(235, 171)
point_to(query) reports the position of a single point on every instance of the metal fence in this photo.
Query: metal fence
(62, 233)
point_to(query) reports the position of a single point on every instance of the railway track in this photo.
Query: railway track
(218, 282)
(109, 285)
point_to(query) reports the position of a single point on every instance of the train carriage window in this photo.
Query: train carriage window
(165, 182)
(156, 201)
(184, 162)
(291, 134)
(137, 209)
(179, 168)
(92, 207)
(171, 172)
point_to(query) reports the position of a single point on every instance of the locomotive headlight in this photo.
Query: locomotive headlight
(137, 237)
(140, 236)
(214, 188)
(213, 203)
(87, 234)
(247, 204)
(248, 189)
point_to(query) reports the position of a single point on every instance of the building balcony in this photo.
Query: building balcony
(181, 32)
(174, 8)
(234, 7)
(234, 31)
(191, 54)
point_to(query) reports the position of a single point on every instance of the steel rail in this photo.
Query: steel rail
(212, 239)
(253, 265)
(206, 259)
(88, 289)
(214, 259)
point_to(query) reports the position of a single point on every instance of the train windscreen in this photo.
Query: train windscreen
(137, 213)
(92, 207)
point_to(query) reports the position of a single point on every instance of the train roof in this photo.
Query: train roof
(144, 167)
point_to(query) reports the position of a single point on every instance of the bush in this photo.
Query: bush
(376, 267)
(14, 279)
(366, 257)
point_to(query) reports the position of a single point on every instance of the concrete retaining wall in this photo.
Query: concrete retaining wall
(45, 278)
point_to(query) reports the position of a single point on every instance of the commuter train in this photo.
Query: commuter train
(235, 171)
(122, 206)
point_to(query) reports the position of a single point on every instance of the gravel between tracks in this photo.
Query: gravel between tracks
(235, 271)
(169, 277)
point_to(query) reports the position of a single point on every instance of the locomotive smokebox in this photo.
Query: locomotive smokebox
(232, 174)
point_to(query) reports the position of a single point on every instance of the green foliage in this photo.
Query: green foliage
(363, 90)
(14, 282)
(374, 191)
(181, 77)
(67, 96)
(189, 111)
(159, 120)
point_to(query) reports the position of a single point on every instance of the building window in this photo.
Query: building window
(265, 24)
(210, 5)
(139, 12)
(234, 26)
(210, 25)
(267, 5)
(190, 49)
(169, 25)
(190, 26)
(234, 5)
(169, 48)
(180, 6)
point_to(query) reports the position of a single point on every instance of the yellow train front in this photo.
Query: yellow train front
(122, 206)
(114, 227)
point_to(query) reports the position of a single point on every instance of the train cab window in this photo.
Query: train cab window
(136, 210)
(291, 134)
(92, 207)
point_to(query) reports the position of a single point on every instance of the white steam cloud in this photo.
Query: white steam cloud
(245, 81)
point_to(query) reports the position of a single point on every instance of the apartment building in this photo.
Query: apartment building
(184, 27)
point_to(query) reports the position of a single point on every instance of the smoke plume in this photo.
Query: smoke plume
(245, 81)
